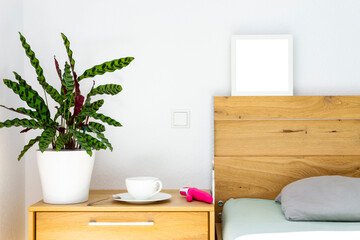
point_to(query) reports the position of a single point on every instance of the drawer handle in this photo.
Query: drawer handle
(94, 223)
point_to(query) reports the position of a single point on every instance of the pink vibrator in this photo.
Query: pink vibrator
(194, 193)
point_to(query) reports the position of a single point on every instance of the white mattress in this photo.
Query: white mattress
(258, 219)
(317, 235)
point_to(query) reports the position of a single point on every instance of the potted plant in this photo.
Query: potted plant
(73, 133)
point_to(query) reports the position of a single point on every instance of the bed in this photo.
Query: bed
(261, 144)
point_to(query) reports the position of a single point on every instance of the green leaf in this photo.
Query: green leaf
(46, 137)
(35, 115)
(82, 141)
(32, 114)
(111, 89)
(96, 105)
(91, 108)
(98, 126)
(68, 80)
(68, 50)
(94, 143)
(33, 60)
(30, 96)
(60, 141)
(101, 137)
(79, 121)
(106, 119)
(41, 117)
(53, 93)
(87, 141)
(104, 140)
(28, 146)
(109, 66)
(39, 71)
(21, 123)
(64, 108)
(21, 81)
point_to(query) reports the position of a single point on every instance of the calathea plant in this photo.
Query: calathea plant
(71, 127)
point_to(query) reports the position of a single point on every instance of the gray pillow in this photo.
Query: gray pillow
(325, 198)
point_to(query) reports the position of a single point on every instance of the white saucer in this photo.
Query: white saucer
(126, 197)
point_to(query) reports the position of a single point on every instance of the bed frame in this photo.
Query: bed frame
(264, 143)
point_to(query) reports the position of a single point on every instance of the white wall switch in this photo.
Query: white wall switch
(180, 118)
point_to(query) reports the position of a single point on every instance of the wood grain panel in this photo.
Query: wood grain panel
(218, 231)
(212, 226)
(31, 225)
(167, 225)
(177, 203)
(286, 107)
(287, 137)
(264, 143)
(264, 177)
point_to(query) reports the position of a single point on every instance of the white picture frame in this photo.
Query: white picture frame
(262, 65)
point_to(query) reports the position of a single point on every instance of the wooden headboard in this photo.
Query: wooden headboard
(264, 143)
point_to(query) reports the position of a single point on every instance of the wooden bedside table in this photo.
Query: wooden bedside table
(171, 219)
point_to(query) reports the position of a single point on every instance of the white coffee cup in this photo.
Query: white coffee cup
(142, 188)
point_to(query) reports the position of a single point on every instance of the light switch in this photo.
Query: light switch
(180, 119)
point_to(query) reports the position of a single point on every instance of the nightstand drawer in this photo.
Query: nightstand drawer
(121, 225)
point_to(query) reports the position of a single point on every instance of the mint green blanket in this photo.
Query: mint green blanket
(246, 216)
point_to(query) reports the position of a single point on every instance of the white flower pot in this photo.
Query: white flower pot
(65, 175)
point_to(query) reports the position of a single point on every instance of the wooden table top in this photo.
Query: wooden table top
(175, 203)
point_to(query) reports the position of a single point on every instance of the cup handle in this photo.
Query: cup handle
(159, 183)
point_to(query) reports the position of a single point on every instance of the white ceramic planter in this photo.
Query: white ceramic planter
(65, 175)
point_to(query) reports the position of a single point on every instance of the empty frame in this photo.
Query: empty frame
(261, 65)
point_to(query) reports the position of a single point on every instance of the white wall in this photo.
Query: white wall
(12, 173)
(182, 60)
(181, 51)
